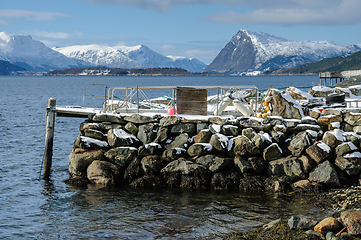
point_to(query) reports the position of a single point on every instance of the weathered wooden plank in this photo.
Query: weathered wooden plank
(191, 101)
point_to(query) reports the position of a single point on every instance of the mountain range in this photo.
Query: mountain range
(251, 53)
(247, 53)
(32, 55)
(335, 64)
(128, 57)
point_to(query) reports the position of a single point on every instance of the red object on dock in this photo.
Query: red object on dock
(172, 111)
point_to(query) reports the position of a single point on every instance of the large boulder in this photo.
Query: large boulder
(133, 171)
(90, 143)
(261, 141)
(272, 152)
(328, 119)
(352, 220)
(331, 111)
(345, 148)
(214, 163)
(80, 159)
(162, 135)
(186, 174)
(250, 165)
(242, 164)
(333, 138)
(218, 120)
(140, 119)
(352, 137)
(152, 164)
(289, 166)
(147, 132)
(102, 172)
(353, 119)
(174, 153)
(181, 141)
(121, 156)
(199, 149)
(120, 138)
(254, 123)
(299, 143)
(329, 224)
(189, 128)
(285, 106)
(150, 149)
(297, 222)
(106, 117)
(350, 163)
(169, 121)
(243, 146)
(203, 136)
(320, 91)
(319, 151)
(229, 130)
(90, 125)
(248, 132)
(132, 128)
(220, 142)
(96, 134)
(325, 174)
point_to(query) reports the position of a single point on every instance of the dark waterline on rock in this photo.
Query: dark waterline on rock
(37, 209)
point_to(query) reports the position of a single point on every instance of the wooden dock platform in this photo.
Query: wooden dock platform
(330, 75)
(75, 111)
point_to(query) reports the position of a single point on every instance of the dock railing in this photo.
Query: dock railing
(161, 98)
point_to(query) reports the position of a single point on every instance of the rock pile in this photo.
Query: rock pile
(246, 153)
(346, 226)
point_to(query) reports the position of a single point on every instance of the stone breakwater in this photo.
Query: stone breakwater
(245, 153)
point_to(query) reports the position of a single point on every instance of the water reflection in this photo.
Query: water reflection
(127, 213)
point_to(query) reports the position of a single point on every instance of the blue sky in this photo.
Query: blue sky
(189, 28)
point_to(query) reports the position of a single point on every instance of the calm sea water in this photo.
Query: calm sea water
(32, 208)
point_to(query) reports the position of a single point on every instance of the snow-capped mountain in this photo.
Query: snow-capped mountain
(97, 55)
(23, 51)
(127, 57)
(251, 52)
(32, 55)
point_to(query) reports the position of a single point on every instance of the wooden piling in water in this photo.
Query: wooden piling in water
(49, 137)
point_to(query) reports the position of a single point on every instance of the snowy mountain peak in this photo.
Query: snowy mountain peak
(139, 56)
(261, 37)
(7, 37)
(127, 49)
(251, 51)
(23, 51)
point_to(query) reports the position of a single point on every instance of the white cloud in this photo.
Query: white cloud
(346, 12)
(284, 12)
(167, 47)
(57, 35)
(30, 15)
(4, 22)
(166, 5)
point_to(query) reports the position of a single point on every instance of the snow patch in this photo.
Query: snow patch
(353, 155)
(324, 146)
(88, 141)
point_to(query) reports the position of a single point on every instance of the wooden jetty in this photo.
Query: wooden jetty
(192, 100)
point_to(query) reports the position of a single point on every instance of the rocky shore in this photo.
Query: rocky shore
(296, 149)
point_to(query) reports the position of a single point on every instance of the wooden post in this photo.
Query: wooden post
(49, 137)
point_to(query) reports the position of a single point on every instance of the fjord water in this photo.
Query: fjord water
(32, 208)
